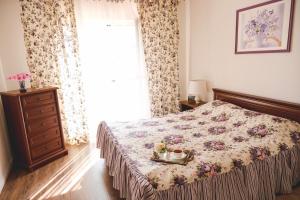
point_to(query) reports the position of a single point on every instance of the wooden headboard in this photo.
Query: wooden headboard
(260, 104)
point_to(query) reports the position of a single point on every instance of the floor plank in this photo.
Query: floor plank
(81, 175)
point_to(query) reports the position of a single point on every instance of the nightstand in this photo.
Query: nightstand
(185, 105)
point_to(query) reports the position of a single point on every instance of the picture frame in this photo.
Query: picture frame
(265, 27)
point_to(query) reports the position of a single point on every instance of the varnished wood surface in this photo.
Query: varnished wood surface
(81, 175)
(185, 105)
(191, 105)
(29, 91)
(28, 116)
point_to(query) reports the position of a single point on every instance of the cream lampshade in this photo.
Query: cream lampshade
(198, 89)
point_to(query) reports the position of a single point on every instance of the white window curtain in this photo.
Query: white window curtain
(112, 58)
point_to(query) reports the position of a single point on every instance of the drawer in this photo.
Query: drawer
(46, 148)
(45, 137)
(37, 126)
(38, 99)
(40, 112)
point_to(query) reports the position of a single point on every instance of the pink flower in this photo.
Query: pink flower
(19, 76)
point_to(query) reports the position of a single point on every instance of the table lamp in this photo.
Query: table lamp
(197, 91)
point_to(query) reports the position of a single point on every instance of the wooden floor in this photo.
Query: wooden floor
(81, 175)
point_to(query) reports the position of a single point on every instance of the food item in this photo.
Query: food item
(177, 151)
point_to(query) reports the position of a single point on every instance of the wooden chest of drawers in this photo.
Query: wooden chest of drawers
(34, 126)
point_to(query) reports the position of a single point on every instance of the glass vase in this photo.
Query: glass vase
(22, 86)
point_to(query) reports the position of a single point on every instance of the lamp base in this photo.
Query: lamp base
(191, 99)
(198, 99)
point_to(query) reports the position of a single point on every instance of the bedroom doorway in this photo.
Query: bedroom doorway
(113, 64)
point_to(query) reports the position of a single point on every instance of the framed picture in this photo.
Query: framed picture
(265, 27)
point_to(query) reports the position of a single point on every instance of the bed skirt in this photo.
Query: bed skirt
(261, 180)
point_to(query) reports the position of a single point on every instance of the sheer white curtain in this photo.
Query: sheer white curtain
(112, 60)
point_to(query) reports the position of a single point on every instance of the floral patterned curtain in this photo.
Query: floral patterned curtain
(160, 34)
(53, 59)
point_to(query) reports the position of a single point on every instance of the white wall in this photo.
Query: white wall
(274, 75)
(12, 48)
(12, 60)
(5, 155)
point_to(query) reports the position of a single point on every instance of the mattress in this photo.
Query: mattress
(234, 150)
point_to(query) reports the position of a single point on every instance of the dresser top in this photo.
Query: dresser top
(28, 92)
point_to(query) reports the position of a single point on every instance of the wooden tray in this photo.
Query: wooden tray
(169, 159)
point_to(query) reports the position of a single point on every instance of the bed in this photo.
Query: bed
(245, 147)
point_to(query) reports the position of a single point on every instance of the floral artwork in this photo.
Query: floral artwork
(229, 139)
(264, 27)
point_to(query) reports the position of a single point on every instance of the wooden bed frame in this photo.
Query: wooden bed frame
(260, 104)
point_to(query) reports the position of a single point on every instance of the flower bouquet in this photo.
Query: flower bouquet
(160, 147)
(21, 78)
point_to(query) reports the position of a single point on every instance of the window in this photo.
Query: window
(113, 68)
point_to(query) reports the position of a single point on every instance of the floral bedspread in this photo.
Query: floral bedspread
(223, 136)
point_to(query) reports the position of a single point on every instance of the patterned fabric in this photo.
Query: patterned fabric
(52, 56)
(160, 35)
(221, 135)
(147, 1)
